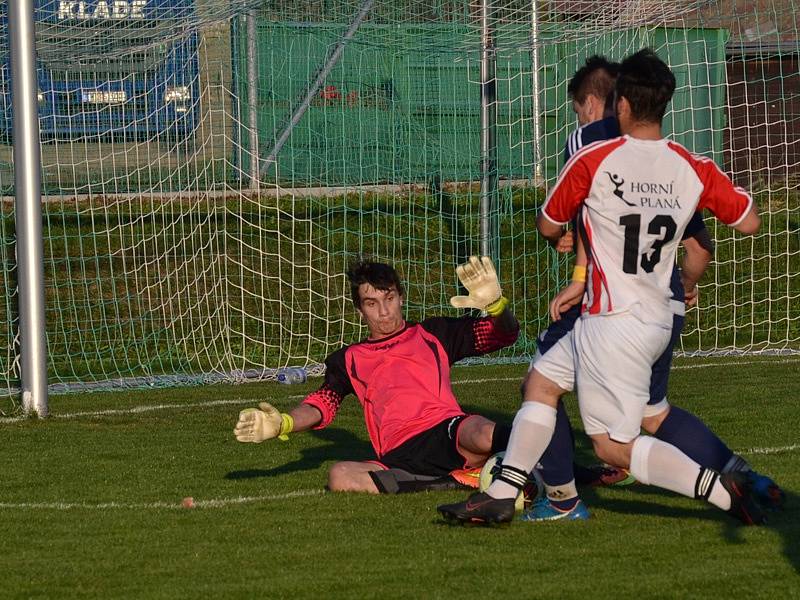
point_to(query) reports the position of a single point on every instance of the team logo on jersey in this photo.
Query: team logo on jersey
(618, 183)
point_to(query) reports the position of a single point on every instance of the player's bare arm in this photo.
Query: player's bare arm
(565, 243)
(695, 261)
(573, 293)
(751, 222)
(549, 230)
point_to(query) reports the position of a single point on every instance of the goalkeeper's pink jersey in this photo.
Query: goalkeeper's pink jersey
(403, 381)
(638, 196)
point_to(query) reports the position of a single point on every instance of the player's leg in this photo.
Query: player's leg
(612, 401)
(431, 460)
(475, 437)
(657, 463)
(691, 436)
(530, 435)
(352, 476)
(677, 426)
(557, 463)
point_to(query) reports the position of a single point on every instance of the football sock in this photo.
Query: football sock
(500, 437)
(657, 463)
(736, 463)
(530, 435)
(556, 462)
(398, 481)
(691, 436)
(564, 505)
(563, 497)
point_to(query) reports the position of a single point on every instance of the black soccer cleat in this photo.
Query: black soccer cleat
(743, 503)
(479, 509)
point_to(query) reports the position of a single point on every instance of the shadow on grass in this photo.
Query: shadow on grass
(785, 522)
(340, 445)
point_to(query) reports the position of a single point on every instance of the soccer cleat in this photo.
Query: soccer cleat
(467, 477)
(766, 492)
(743, 504)
(479, 508)
(544, 510)
(602, 475)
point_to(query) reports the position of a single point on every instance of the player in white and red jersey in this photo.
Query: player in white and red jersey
(588, 88)
(636, 195)
(401, 375)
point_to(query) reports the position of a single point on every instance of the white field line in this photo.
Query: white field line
(221, 502)
(778, 450)
(177, 505)
(150, 408)
(235, 401)
(674, 368)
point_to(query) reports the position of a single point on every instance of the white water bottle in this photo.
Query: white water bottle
(290, 375)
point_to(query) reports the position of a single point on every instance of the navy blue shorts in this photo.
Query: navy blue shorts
(660, 377)
(558, 329)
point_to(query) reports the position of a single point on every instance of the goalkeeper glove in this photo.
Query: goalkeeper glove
(480, 279)
(263, 423)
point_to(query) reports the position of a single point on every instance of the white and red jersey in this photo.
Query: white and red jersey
(638, 196)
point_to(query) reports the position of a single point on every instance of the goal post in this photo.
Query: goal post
(165, 265)
(28, 221)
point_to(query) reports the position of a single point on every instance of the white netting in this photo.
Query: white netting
(166, 262)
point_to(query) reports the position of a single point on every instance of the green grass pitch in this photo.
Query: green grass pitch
(90, 505)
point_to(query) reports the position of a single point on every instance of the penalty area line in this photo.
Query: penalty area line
(177, 504)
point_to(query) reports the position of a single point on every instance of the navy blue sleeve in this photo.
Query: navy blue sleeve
(695, 226)
(596, 131)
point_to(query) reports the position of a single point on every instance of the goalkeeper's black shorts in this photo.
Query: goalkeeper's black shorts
(432, 452)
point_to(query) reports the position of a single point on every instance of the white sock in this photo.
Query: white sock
(559, 493)
(657, 463)
(530, 435)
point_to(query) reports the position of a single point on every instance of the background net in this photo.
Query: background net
(176, 252)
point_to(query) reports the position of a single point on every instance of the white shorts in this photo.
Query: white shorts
(558, 363)
(614, 356)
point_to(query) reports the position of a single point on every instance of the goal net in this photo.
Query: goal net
(210, 167)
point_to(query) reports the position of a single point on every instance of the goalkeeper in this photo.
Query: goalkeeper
(422, 438)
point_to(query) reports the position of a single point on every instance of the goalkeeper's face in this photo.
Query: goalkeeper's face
(382, 310)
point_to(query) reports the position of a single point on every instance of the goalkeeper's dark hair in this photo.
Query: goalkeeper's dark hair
(648, 84)
(596, 77)
(379, 275)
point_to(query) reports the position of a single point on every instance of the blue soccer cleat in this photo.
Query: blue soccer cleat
(766, 491)
(543, 510)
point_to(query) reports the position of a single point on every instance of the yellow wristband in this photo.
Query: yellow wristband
(287, 424)
(579, 274)
(498, 306)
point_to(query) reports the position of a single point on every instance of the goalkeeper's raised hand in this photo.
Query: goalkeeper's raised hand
(480, 278)
(263, 423)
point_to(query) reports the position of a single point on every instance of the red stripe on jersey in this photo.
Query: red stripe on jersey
(575, 181)
(488, 337)
(599, 280)
(729, 203)
(327, 402)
